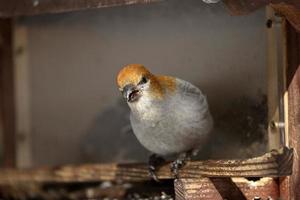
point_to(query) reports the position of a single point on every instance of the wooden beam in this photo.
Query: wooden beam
(14, 8)
(23, 7)
(273, 164)
(290, 9)
(7, 103)
(290, 12)
(226, 188)
(242, 7)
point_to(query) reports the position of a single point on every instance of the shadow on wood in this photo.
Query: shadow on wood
(227, 189)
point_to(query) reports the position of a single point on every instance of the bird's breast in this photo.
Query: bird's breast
(176, 125)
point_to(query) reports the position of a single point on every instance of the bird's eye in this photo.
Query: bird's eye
(143, 80)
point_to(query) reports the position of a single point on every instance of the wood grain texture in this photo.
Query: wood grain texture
(7, 96)
(33, 7)
(273, 164)
(226, 188)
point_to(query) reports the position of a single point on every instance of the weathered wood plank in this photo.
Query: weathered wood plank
(273, 164)
(226, 188)
(33, 7)
(7, 96)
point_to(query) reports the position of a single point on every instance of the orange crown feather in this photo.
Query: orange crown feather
(132, 74)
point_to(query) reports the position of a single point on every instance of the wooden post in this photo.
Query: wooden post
(22, 97)
(289, 187)
(277, 115)
(7, 106)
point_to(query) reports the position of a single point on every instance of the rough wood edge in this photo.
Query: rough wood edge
(272, 164)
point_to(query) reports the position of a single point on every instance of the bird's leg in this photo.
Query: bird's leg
(181, 160)
(154, 162)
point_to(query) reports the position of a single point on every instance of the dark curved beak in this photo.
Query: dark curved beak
(130, 93)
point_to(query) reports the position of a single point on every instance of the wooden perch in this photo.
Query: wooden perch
(273, 164)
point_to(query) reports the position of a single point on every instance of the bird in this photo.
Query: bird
(169, 116)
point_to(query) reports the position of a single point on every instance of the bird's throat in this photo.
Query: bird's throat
(146, 108)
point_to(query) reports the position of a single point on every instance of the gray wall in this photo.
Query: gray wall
(74, 58)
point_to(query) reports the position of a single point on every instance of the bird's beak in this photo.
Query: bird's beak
(130, 93)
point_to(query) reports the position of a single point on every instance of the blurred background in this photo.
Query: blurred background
(74, 112)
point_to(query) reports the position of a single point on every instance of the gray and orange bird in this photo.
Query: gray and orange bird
(169, 116)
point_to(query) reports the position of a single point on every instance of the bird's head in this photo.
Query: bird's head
(135, 81)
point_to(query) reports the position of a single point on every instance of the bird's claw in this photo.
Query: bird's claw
(151, 171)
(154, 162)
(176, 165)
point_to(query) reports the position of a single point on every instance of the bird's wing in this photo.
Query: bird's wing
(172, 83)
(190, 111)
(197, 109)
(188, 89)
(185, 90)
(192, 94)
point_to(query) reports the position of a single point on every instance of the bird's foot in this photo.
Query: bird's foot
(154, 162)
(177, 164)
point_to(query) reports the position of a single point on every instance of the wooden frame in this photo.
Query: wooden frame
(191, 177)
